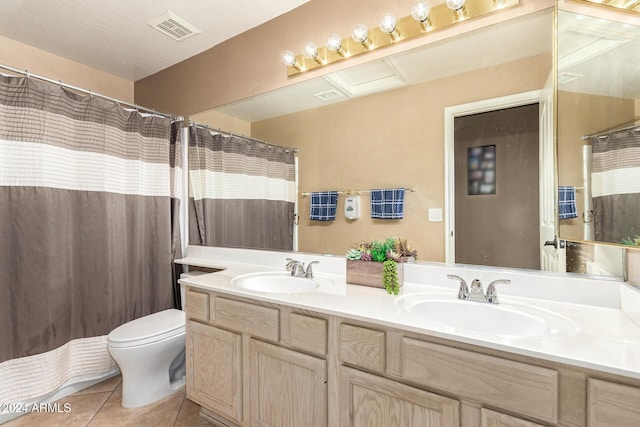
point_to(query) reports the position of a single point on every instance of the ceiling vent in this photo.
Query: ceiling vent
(566, 77)
(174, 26)
(328, 95)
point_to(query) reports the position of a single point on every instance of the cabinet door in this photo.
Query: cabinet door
(612, 404)
(287, 388)
(496, 419)
(214, 369)
(369, 401)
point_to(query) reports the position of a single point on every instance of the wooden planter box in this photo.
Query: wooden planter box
(369, 273)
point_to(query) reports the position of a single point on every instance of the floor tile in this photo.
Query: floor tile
(71, 411)
(162, 413)
(109, 384)
(189, 415)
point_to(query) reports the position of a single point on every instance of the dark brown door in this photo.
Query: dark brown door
(497, 215)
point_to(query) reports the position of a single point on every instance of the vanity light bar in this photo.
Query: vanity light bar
(441, 16)
(624, 5)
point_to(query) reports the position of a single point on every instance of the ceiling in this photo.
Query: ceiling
(113, 35)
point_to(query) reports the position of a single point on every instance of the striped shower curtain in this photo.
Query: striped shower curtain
(242, 192)
(88, 211)
(616, 185)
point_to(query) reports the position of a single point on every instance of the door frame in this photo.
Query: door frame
(450, 113)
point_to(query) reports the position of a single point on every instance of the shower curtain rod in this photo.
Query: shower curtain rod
(90, 93)
(623, 127)
(226, 132)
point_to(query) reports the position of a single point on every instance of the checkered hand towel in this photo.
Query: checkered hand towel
(387, 203)
(323, 205)
(567, 202)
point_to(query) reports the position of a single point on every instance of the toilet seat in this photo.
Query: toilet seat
(148, 329)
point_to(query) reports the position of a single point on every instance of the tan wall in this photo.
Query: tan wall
(387, 140)
(25, 57)
(249, 63)
(222, 121)
(583, 114)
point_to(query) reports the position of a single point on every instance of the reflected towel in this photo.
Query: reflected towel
(323, 205)
(387, 203)
(567, 202)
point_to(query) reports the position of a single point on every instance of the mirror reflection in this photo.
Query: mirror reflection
(599, 132)
(381, 125)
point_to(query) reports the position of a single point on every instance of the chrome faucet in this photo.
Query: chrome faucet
(476, 293)
(296, 267)
(298, 270)
(309, 272)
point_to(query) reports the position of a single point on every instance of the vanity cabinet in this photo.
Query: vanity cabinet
(369, 400)
(612, 404)
(214, 369)
(255, 364)
(287, 388)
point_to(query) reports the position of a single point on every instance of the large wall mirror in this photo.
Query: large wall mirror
(598, 127)
(382, 124)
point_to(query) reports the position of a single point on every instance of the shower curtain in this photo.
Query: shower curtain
(88, 229)
(242, 192)
(616, 185)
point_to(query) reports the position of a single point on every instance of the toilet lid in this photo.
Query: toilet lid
(154, 327)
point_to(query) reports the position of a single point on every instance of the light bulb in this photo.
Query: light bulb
(360, 33)
(288, 58)
(388, 23)
(334, 43)
(420, 11)
(310, 51)
(455, 5)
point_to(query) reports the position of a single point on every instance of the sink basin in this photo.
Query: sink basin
(507, 320)
(278, 282)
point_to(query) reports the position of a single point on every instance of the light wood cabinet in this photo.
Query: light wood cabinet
(496, 419)
(287, 388)
(612, 404)
(214, 369)
(371, 401)
(257, 364)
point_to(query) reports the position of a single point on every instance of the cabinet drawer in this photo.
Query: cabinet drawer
(197, 305)
(362, 347)
(369, 400)
(308, 333)
(611, 404)
(496, 419)
(258, 321)
(513, 386)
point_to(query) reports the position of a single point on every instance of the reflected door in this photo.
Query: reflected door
(497, 215)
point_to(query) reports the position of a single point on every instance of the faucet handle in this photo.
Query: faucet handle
(492, 295)
(309, 272)
(463, 292)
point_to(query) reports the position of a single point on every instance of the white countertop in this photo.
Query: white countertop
(606, 339)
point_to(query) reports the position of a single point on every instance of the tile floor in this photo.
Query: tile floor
(99, 406)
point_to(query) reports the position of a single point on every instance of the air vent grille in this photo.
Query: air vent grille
(174, 26)
(328, 95)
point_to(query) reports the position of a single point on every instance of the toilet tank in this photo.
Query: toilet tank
(183, 295)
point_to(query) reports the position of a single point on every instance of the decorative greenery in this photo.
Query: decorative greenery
(390, 277)
(389, 251)
(379, 251)
(635, 241)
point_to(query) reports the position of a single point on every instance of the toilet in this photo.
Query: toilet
(150, 352)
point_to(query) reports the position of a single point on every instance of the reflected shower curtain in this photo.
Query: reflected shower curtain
(616, 185)
(88, 192)
(242, 192)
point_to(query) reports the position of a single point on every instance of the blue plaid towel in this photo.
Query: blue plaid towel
(567, 202)
(387, 203)
(323, 205)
